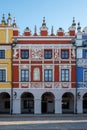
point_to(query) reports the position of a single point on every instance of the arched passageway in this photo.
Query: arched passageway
(67, 103)
(85, 103)
(27, 103)
(4, 103)
(48, 103)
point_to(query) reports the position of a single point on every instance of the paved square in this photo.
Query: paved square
(43, 122)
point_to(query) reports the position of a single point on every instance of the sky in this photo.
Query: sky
(58, 13)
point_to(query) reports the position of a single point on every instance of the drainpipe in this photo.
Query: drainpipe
(76, 83)
(11, 110)
(74, 44)
(12, 46)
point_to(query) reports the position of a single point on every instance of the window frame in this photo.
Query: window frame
(23, 54)
(64, 75)
(85, 76)
(65, 54)
(47, 54)
(23, 76)
(36, 74)
(48, 77)
(85, 53)
(2, 56)
(3, 75)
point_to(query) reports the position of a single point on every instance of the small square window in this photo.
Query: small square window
(24, 54)
(48, 54)
(64, 54)
(2, 54)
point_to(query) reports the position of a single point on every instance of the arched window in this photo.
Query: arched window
(36, 74)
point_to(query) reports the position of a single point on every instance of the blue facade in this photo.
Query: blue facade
(82, 63)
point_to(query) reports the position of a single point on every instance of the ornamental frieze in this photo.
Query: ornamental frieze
(82, 62)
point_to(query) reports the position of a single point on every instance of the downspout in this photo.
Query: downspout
(12, 46)
(11, 112)
(74, 44)
(76, 84)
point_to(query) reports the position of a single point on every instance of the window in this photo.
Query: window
(48, 54)
(2, 54)
(85, 76)
(64, 54)
(36, 74)
(48, 75)
(65, 75)
(85, 54)
(24, 54)
(24, 75)
(2, 75)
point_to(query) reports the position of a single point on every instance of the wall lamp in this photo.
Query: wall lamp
(15, 94)
(14, 42)
(78, 95)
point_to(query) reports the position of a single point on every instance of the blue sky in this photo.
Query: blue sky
(58, 13)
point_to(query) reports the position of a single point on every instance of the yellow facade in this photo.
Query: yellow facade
(6, 64)
(6, 34)
(2, 35)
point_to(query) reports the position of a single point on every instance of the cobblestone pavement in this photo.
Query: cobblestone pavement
(43, 122)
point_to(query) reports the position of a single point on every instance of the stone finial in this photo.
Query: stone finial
(35, 29)
(73, 24)
(3, 19)
(52, 30)
(14, 22)
(9, 19)
(44, 23)
(79, 27)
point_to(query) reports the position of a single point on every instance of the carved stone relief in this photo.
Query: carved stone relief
(15, 53)
(36, 85)
(73, 53)
(36, 53)
(56, 53)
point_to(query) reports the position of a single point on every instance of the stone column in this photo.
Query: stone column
(16, 106)
(58, 108)
(37, 106)
(79, 106)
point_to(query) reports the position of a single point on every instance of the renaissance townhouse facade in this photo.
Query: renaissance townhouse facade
(38, 72)
(44, 71)
(6, 34)
(81, 69)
